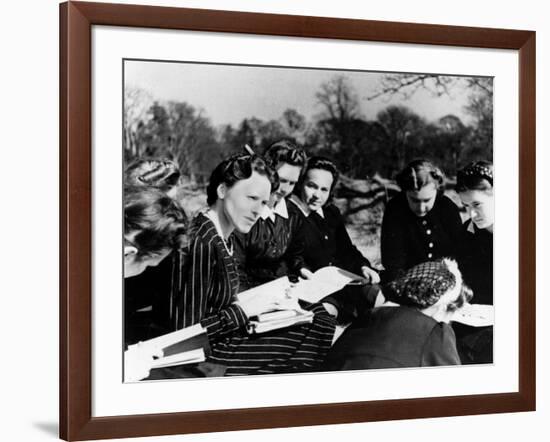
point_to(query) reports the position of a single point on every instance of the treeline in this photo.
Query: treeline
(362, 148)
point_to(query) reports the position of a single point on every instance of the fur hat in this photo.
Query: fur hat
(425, 284)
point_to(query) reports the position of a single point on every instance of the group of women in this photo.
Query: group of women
(270, 216)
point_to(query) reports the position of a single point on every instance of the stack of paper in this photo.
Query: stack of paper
(475, 315)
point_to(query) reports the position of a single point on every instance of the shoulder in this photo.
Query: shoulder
(330, 210)
(446, 204)
(398, 204)
(202, 232)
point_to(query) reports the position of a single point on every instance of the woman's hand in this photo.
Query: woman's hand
(305, 273)
(256, 305)
(331, 309)
(370, 275)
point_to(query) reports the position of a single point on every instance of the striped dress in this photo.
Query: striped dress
(208, 282)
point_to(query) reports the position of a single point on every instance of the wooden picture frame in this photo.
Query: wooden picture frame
(76, 21)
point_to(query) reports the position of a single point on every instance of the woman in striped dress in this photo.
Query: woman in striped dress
(239, 187)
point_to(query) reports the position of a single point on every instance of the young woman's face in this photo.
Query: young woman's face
(288, 177)
(316, 188)
(480, 206)
(243, 202)
(422, 201)
(134, 265)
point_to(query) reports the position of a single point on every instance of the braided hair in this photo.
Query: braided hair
(475, 176)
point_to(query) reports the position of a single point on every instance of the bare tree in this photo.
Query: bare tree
(137, 103)
(339, 100)
(406, 85)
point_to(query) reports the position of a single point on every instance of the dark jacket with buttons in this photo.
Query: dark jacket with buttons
(408, 240)
(327, 242)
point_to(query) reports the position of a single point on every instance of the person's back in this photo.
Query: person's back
(393, 337)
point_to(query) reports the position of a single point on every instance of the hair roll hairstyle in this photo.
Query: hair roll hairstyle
(285, 151)
(321, 163)
(162, 174)
(237, 168)
(158, 222)
(475, 176)
(418, 174)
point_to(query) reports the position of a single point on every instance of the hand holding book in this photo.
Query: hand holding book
(186, 346)
(275, 304)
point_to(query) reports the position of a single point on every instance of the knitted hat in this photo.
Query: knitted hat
(424, 284)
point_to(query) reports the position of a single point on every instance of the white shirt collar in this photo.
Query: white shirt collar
(279, 209)
(470, 227)
(305, 209)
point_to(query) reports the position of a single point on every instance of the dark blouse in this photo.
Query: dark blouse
(391, 337)
(209, 281)
(475, 344)
(476, 262)
(327, 242)
(408, 240)
(270, 250)
(146, 303)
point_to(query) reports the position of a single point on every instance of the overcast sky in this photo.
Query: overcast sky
(228, 94)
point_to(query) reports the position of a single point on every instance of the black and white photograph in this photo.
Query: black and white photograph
(285, 220)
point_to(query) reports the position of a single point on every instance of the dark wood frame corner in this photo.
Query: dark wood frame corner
(76, 21)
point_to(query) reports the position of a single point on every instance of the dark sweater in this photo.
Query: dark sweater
(327, 242)
(270, 250)
(476, 262)
(408, 240)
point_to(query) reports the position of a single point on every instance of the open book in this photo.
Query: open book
(324, 282)
(186, 346)
(475, 315)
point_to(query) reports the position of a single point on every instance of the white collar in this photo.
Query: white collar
(279, 209)
(229, 247)
(305, 209)
(470, 227)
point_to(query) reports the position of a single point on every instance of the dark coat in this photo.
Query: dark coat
(392, 337)
(408, 240)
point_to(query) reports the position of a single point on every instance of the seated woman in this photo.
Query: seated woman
(420, 224)
(412, 330)
(238, 190)
(475, 254)
(148, 309)
(154, 225)
(273, 247)
(327, 242)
